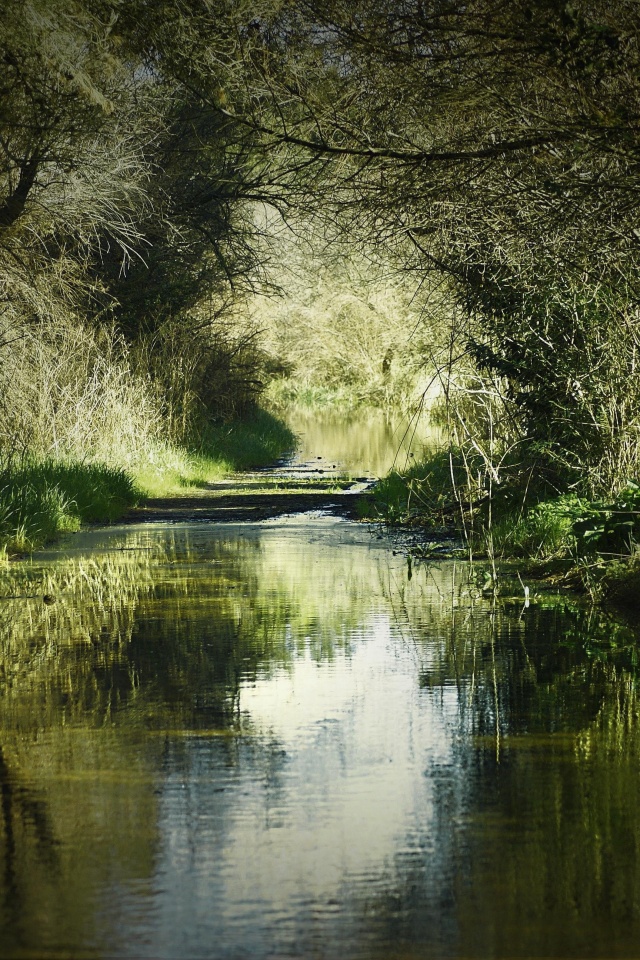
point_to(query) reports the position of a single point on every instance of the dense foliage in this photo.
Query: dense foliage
(494, 145)
(486, 150)
(125, 233)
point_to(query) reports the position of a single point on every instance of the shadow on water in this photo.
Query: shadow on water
(264, 740)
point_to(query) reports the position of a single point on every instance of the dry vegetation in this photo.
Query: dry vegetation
(343, 330)
(125, 255)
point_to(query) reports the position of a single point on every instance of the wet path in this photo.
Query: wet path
(337, 463)
(287, 489)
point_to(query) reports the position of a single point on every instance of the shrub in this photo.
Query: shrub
(610, 526)
(69, 392)
(544, 531)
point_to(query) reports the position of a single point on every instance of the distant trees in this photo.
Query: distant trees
(345, 330)
(494, 145)
(485, 146)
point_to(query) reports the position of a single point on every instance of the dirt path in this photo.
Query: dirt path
(283, 490)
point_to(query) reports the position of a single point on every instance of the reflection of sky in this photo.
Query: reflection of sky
(272, 834)
(347, 812)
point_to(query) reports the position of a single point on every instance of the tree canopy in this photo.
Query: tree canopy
(489, 147)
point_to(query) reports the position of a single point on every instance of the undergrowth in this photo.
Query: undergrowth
(40, 499)
(594, 543)
(256, 441)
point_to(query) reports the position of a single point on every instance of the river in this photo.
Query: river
(261, 740)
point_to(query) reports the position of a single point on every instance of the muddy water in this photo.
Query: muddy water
(266, 740)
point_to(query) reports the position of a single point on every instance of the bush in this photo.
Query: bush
(610, 527)
(545, 531)
(425, 492)
(204, 373)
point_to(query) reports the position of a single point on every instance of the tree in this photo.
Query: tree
(124, 199)
(493, 144)
(71, 176)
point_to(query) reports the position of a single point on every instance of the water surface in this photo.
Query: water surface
(267, 741)
(369, 442)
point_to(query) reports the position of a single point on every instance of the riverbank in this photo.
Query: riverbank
(576, 542)
(42, 499)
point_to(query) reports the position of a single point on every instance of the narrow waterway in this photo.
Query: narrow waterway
(260, 740)
(361, 443)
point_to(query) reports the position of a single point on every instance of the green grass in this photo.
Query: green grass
(424, 493)
(542, 532)
(169, 470)
(257, 441)
(41, 500)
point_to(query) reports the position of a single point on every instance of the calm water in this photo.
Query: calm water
(261, 741)
(371, 444)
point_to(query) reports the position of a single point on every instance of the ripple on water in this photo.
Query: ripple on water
(263, 741)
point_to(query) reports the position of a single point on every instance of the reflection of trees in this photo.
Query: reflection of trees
(156, 635)
(552, 666)
(76, 811)
(162, 631)
(122, 623)
(161, 639)
(25, 819)
(550, 852)
(540, 812)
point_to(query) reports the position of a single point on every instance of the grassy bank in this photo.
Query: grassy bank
(255, 441)
(591, 544)
(42, 499)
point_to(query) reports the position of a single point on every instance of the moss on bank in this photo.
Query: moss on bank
(42, 499)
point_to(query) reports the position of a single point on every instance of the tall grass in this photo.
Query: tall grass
(255, 441)
(87, 427)
(71, 392)
(40, 500)
(429, 491)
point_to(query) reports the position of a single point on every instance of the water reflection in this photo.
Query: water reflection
(266, 741)
(367, 442)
